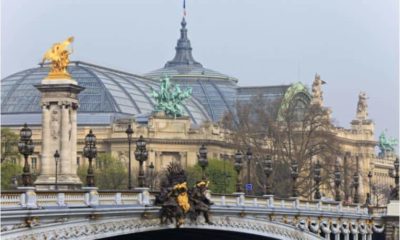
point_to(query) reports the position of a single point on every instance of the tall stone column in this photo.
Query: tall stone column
(46, 141)
(59, 133)
(65, 153)
(74, 140)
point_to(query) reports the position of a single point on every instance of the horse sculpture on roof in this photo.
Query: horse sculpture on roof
(386, 145)
(170, 98)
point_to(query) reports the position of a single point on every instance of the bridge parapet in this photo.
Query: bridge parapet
(15, 200)
(72, 207)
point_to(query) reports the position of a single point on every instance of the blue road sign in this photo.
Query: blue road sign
(249, 187)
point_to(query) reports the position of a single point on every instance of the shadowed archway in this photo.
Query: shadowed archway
(192, 234)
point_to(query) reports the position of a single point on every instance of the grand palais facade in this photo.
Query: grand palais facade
(112, 99)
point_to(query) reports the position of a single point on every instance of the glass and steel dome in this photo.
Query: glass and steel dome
(215, 91)
(108, 94)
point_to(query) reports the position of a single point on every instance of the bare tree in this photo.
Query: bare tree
(295, 131)
(380, 194)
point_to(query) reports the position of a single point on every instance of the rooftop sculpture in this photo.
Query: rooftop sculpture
(386, 145)
(362, 106)
(170, 98)
(58, 55)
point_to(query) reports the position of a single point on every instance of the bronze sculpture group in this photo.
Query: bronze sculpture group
(169, 99)
(177, 201)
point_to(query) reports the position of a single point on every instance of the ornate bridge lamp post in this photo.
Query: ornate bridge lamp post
(141, 155)
(26, 147)
(90, 152)
(294, 174)
(317, 179)
(356, 185)
(249, 157)
(225, 158)
(338, 181)
(203, 161)
(238, 168)
(394, 194)
(151, 168)
(268, 172)
(368, 201)
(129, 132)
(57, 159)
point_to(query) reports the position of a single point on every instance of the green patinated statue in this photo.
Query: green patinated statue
(170, 98)
(386, 145)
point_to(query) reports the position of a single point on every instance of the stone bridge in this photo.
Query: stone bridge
(95, 215)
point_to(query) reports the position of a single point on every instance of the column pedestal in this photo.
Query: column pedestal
(59, 127)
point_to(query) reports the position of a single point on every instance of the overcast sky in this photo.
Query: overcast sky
(353, 45)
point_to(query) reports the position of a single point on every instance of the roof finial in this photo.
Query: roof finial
(183, 23)
(183, 55)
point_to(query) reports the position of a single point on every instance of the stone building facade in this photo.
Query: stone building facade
(112, 99)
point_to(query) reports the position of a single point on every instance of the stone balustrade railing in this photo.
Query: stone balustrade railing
(13, 200)
(24, 209)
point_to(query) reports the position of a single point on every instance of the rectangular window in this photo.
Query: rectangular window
(78, 161)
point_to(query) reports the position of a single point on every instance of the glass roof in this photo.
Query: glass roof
(106, 91)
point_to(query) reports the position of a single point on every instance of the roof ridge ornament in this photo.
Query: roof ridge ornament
(183, 55)
(58, 55)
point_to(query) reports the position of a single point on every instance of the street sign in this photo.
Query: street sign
(249, 187)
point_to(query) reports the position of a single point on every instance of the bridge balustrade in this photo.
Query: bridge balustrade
(77, 198)
(312, 216)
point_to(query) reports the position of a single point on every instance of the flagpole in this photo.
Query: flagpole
(184, 8)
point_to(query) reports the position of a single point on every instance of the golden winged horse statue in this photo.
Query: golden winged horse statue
(58, 55)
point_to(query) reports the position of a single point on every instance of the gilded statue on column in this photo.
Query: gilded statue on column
(58, 55)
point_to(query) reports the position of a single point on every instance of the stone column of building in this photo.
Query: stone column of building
(59, 133)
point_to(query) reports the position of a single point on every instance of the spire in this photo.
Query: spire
(183, 55)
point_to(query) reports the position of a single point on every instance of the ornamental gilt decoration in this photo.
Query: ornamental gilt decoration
(58, 55)
(177, 201)
(170, 98)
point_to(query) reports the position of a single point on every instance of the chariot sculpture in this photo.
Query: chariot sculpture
(170, 98)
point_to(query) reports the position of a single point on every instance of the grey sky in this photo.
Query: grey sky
(354, 45)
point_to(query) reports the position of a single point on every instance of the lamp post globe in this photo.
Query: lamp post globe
(129, 132)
